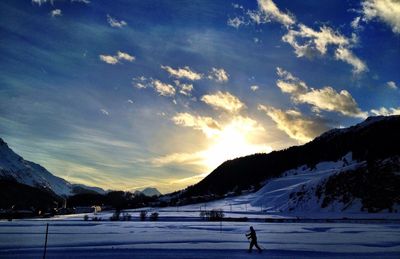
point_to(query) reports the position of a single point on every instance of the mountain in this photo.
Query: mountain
(14, 168)
(149, 192)
(371, 142)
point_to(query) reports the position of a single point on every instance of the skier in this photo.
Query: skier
(252, 235)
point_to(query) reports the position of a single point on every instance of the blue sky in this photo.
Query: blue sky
(131, 94)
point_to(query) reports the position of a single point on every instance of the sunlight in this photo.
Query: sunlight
(234, 140)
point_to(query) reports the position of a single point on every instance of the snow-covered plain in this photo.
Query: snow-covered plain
(72, 237)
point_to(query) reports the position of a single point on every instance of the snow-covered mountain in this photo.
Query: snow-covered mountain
(350, 169)
(14, 167)
(149, 192)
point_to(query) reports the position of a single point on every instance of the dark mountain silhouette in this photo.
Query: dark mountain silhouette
(375, 138)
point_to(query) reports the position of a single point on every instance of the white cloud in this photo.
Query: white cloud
(355, 24)
(387, 11)
(117, 58)
(329, 99)
(347, 56)
(105, 112)
(109, 59)
(326, 98)
(81, 1)
(307, 42)
(125, 56)
(130, 101)
(386, 112)
(391, 85)
(55, 12)
(115, 23)
(185, 89)
(272, 13)
(236, 22)
(254, 88)
(224, 101)
(219, 75)
(184, 72)
(163, 89)
(294, 124)
(207, 125)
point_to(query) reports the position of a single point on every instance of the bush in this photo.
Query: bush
(154, 216)
(143, 215)
(86, 218)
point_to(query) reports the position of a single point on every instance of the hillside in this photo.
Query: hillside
(375, 138)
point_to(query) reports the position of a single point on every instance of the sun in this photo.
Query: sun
(236, 139)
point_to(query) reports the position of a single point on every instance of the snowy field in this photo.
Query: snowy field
(74, 238)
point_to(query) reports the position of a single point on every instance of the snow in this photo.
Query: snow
(195, 239)
(29, 173)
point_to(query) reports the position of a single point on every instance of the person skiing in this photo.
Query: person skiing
(253, 240)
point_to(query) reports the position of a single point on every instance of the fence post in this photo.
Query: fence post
(45, 242)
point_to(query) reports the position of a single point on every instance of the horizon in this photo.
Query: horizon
(158, 94)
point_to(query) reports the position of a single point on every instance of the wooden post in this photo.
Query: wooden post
(45, 242)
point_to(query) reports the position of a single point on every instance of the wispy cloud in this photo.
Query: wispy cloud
(105, 112)
(117, 58)
(295, 124)
(206, 124)
(272, 13)
(184, 72)
(254, 88)
(224, 101)
(219, 75)
(56, 12)
(391, 85)
(115, 23)
(185, 89)
(236, 22)
(163, 89)
(385, 111)
(387, 11)
(326, 98)
(308, 42)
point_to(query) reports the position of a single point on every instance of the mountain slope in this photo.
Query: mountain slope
(14, 167)
(375, 138)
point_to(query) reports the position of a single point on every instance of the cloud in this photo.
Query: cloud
(386, 112)
(347, 56)
(236, 22)
(55, 12)
(355, 24)
(326, 98)
(272, 13)
(224, 101)
(184, 72)
(117, 58)
(109, 59)
(130, 101)
(307, 42)
(125, 56)
(290, 84)
(387, 11)
(185, 89)
(207, 125)
(81, 1)
(329, 99)
(163, 89)
(105, 112)
(391, 85)
(294, 124)
(115, 23)
(219, 75)
(254, 88)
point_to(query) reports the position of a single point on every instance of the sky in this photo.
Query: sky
(131, 94)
